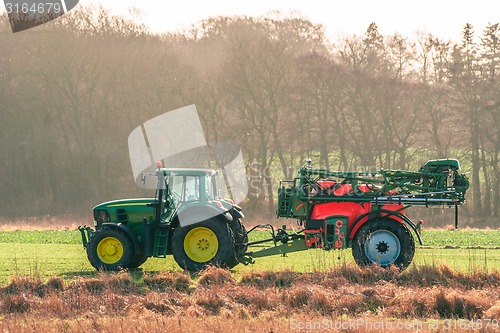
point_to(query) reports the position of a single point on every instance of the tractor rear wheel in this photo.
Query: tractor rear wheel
(383, 242)
(207, 243)
(110, 250)
(138, 260)
(240, 241)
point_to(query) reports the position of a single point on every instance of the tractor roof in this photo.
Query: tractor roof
(187, 171)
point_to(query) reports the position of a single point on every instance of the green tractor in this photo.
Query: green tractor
(186, 219)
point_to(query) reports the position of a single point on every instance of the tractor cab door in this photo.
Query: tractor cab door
(169, 209)
(183, 190)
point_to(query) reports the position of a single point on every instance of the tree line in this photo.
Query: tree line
(72, 90)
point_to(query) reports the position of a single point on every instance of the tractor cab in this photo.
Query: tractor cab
(182, 191)
(178, 188)
(189, 185)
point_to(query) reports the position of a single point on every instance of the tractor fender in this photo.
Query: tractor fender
(237, 214)
(193, 214)
(122, 227)
(394, 215)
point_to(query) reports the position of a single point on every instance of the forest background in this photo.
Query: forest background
(72, 91)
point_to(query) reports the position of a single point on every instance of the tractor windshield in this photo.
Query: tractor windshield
(189, 188)
(185, 188)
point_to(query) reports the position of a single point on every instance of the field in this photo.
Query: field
(48, 253)
(453, 285)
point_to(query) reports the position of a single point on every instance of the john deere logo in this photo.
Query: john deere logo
(26, 14)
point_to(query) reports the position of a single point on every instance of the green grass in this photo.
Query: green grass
(432, 238)
(41, 237)
(440, 238)
(50, 253)
(461, 238)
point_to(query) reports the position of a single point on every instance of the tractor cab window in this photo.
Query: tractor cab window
(185, 188)
(192, 188)
(209, 188)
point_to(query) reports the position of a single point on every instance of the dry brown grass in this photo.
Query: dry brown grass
(259, 302)
(168, 281)
(45, 223)
(493, 312)
(264, 280)
(215, 276)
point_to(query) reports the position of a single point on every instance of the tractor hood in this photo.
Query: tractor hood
(125, 203)
(126, 211)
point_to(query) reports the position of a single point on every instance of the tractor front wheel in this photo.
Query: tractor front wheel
(207, 243)
(383, 242)
(110, 250)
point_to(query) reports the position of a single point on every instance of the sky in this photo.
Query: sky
(442, 18)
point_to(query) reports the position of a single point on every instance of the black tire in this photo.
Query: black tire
(240, 241)
(137, 260)
(110, 249)
(193, 246)
(383, 242)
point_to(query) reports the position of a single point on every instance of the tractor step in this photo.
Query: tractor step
(161, 242)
